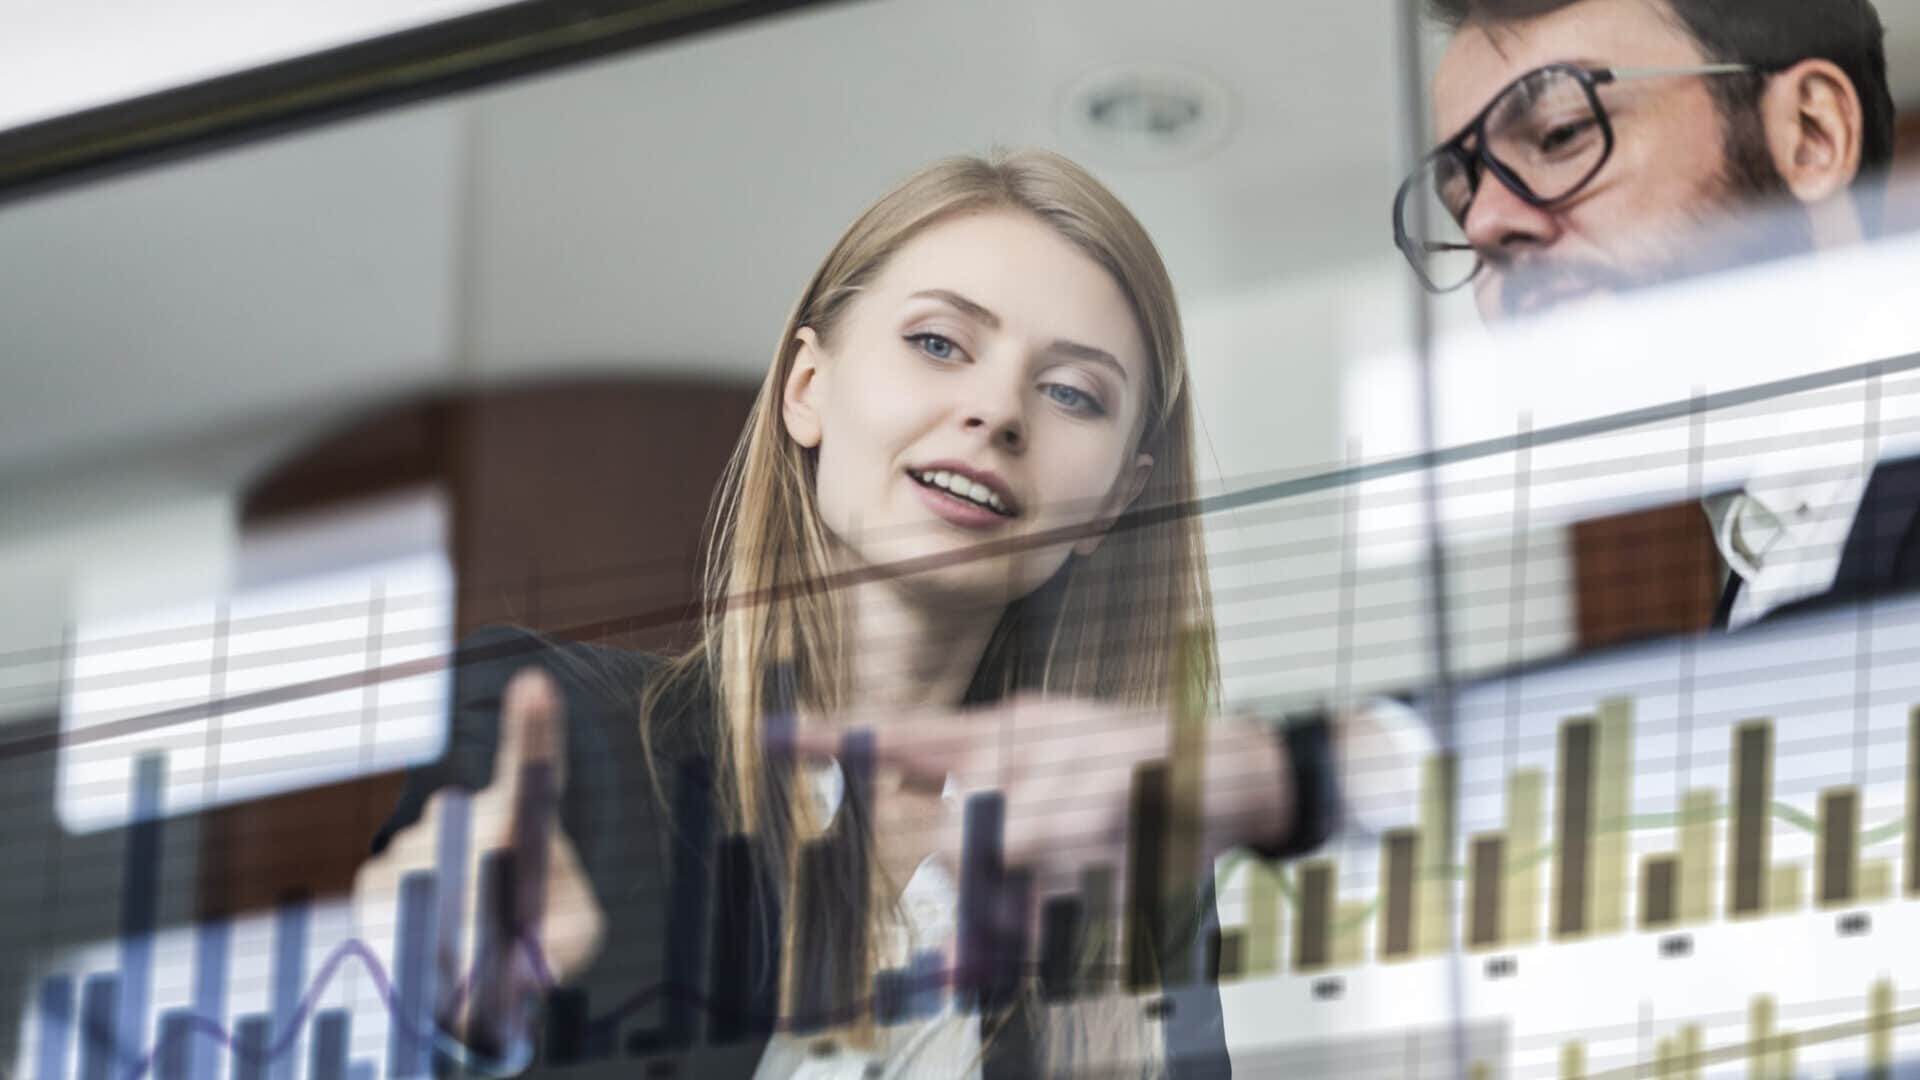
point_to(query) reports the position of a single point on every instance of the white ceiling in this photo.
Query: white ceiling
(660, 211)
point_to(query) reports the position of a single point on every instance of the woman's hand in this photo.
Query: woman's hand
(543, 922)
(1065, 769)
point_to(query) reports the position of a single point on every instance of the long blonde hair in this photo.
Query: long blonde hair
(1106, 626)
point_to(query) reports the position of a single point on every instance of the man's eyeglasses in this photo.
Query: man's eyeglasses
(1545, 136)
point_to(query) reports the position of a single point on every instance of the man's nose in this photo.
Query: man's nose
(1502, 226)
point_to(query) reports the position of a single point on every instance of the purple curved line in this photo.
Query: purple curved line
(355, 948)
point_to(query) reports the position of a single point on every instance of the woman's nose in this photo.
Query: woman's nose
(997, 408)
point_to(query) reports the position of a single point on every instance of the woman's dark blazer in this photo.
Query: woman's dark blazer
(633, 851)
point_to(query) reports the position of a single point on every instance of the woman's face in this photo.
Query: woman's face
(988, 384)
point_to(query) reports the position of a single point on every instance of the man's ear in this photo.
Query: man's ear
(800, 396)
(1124, 495)
(1814, 124)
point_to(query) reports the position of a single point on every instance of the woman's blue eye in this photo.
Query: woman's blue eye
(935, 345)
(1074, 398)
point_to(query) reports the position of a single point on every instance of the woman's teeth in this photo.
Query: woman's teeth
(954, 484)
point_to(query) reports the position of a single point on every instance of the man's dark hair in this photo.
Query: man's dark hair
(1772, 34)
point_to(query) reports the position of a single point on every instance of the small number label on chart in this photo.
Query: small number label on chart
(1503, 967)
(1676, 945)
(1328, 989)
(1855, 925)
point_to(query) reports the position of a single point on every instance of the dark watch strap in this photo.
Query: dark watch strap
(1307, 740)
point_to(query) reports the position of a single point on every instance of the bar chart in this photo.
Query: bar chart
(1692, 858)
(1709, 827)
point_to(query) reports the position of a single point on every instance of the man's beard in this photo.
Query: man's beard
(1744, 215)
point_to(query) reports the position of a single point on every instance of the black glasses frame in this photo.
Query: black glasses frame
(1480, 155)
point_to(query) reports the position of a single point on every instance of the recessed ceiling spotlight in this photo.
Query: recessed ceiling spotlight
(1147, 114)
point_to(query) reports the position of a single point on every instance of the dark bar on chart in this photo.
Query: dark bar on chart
(686, 937)
(852, 834)
(1310, 942)
(1483, 908)
(1837, 853)
(328, 1060)
(1061, 946)
(981, 869)
(565, 1039)
(212, 942)
(1752, 794)
(1013, 913)
(410, 1042)
(744, 961)
(891, 996)
(56, 1008)
(1096, 899)
(1574, 827)
(817, 966)
(1146, 915)
(1399, 856)
(252, 1046)
(1913, 802)
(929, 981)
(491, 995)
(173, 1045)
(451, 852)
(139, 905)
(289, 981)
(1659, 890)
(99, 1012)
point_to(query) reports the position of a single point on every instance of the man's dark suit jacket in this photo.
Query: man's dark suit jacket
(1882, 552)
(630, 851)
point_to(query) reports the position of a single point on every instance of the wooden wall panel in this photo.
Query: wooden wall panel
(576, 506)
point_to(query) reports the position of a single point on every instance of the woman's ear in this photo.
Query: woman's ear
(1125, 493)
(1814, 122)
(800, 397)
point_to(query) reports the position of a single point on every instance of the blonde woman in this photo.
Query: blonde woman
(954, 523)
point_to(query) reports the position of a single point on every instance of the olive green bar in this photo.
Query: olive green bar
(1520, 907)
(1880, 1029)
(1350, 934)
(1787, 888)
(1687, 1055)
(1836, 851)
(1263, 919)
(1784, 1058)
(1573, 828)
(1613, 798)
(1433, 923)
(1230, 963)
(1913, 802)
(1699, 854)
(1314, 916)
(1659, 889)
(1665, 1060)
(1486, 863)
(1573, 1061)
(1751, 842)
(1399, 868)
(1760, 1044)
(1876, 882)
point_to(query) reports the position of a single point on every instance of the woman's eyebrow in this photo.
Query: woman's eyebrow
(1074, 349)
(966, 307)
(987, 318)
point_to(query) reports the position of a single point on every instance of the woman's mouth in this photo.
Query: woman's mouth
(961, 500)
